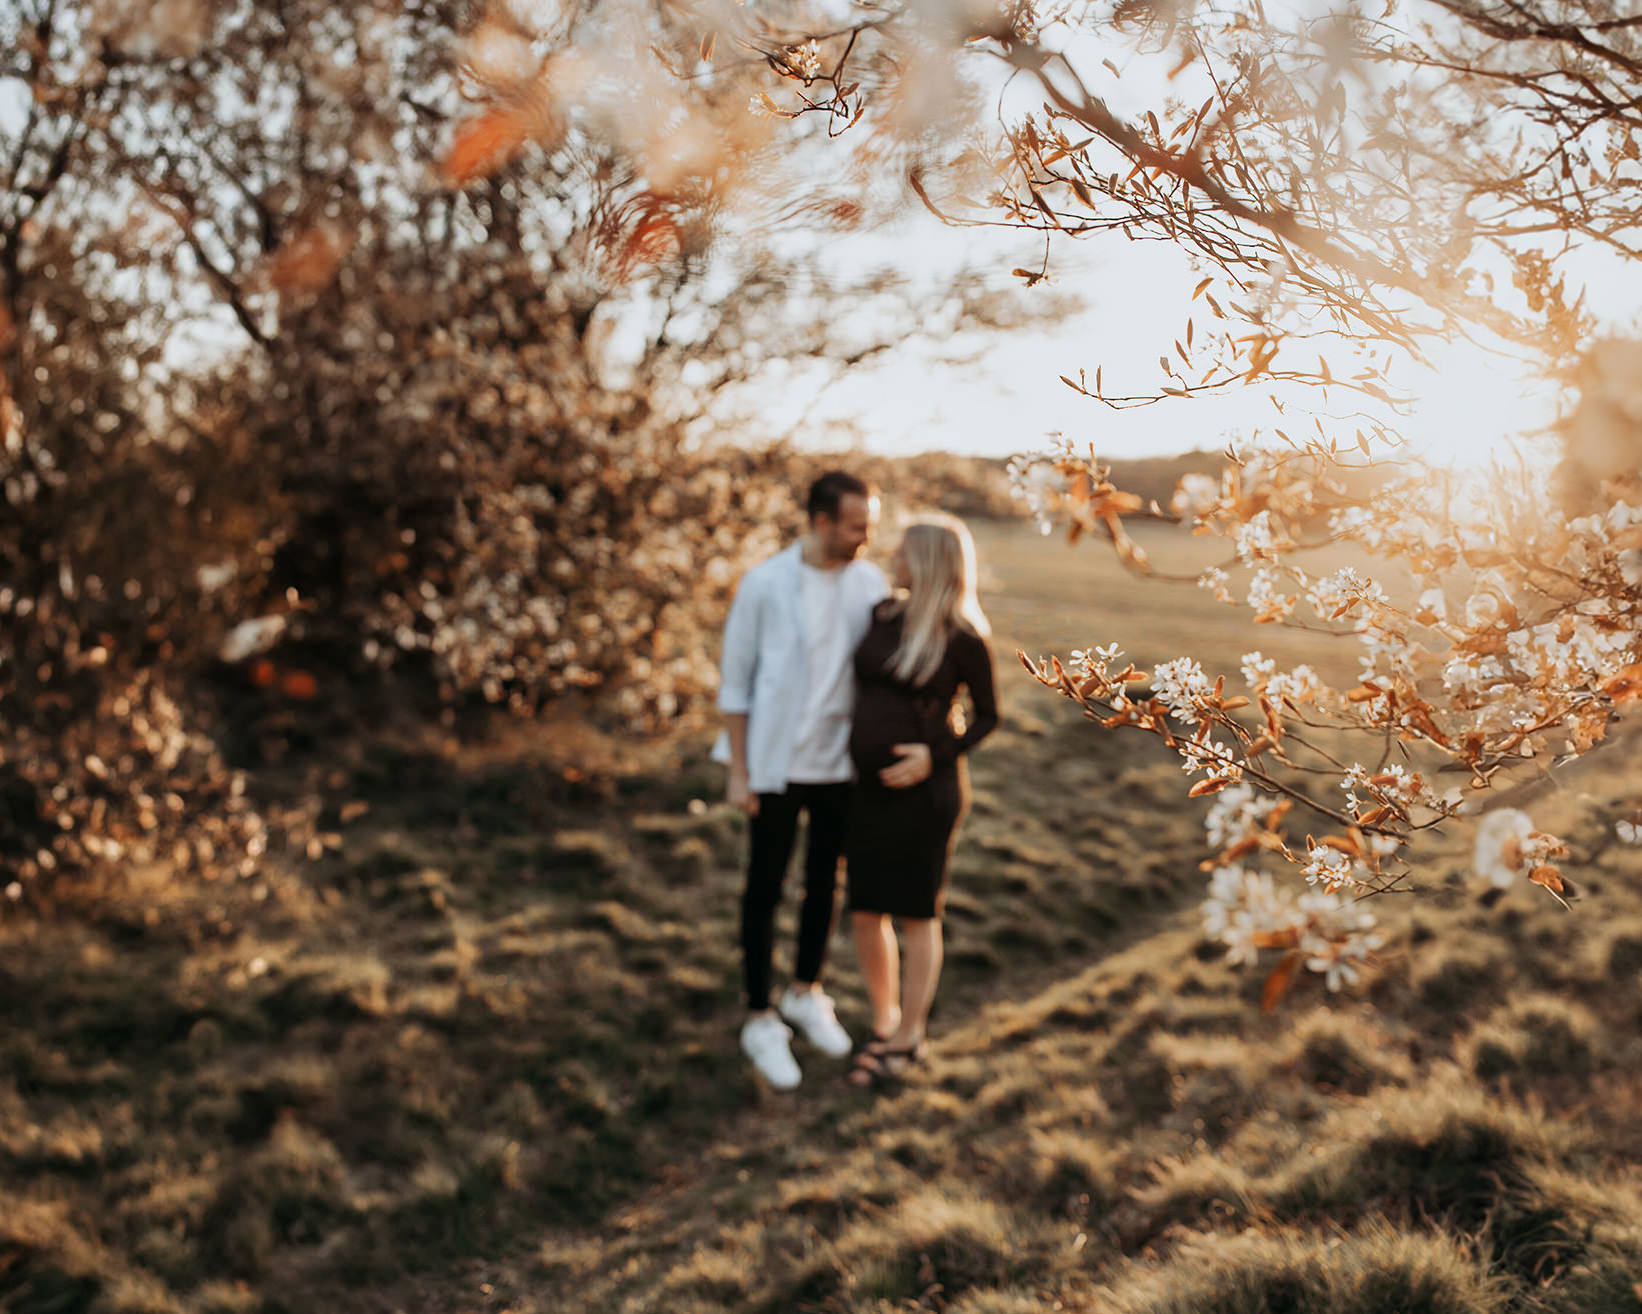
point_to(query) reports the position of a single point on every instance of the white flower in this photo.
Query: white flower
(805, 60)
(1182, 687)
(1341, 592)
(1337, 969)
(1095, 661)
(1266, 595)
(1326, 866)
(1195, 494)
(1300, 685)
(1500, 851)
(250, 637)
(1257, 669)
(1628, 831)
(1238, 812)
(1213, 754)
(1256, 539)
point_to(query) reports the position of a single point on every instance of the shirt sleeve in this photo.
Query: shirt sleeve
(880, 585)
(738, 663)
(974, 660)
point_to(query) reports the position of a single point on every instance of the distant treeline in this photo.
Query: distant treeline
(979, 485)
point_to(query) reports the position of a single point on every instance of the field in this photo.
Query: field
(481, 1055)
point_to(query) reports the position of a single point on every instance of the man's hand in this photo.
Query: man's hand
(741, 794)
(914, 767)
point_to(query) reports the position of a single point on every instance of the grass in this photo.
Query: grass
(482, 1056)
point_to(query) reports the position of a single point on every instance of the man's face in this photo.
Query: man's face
(844, 535)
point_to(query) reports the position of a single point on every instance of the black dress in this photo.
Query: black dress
(899, 839)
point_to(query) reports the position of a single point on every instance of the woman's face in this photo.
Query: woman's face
(901, 577)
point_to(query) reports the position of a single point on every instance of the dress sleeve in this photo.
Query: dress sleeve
(974, 659)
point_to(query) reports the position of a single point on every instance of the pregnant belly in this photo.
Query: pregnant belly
(875, 733)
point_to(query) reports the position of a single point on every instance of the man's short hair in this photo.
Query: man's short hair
(831, 489)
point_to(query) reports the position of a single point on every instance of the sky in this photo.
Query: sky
(1135, 298)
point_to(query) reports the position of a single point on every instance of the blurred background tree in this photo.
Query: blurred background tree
(333, 344)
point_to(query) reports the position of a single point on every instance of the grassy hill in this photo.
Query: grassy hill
(480, 1055)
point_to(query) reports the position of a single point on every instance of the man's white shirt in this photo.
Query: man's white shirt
(821, 743)
(789, 647)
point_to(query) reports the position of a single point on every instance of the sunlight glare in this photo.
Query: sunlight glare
(1473, 406)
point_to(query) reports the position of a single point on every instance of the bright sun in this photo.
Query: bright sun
(1473, 406)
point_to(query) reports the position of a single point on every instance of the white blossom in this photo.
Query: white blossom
(1216, 581)
(250, 637)
(1257, 669)
(1183, 688)
(1342, 591)
(1301, 685)
(1502, 836)
(1195, 495)
(1267, 597)
(1255, 539)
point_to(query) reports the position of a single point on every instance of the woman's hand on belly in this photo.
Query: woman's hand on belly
(914, 764)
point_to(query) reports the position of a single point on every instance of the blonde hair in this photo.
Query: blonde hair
(940, 559)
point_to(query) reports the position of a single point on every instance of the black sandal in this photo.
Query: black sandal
(876, 1063)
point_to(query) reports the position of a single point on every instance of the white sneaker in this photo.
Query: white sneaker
(812, 1012)
(765, 1040)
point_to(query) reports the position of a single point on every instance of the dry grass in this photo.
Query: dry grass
(483, 1058)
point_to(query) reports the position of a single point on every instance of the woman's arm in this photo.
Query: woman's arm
(974, 660)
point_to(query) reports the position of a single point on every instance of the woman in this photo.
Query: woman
(912, 785)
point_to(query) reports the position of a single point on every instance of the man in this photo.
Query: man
(787, 693)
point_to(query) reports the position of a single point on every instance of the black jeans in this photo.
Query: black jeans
(772, 832)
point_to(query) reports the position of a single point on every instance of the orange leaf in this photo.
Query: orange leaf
(653, 239)
(1278, 983)
(1115, 503)
(1275, 939)
(299, 684)
(1421, 720)
(1213, 785)
(484, 144)
(1374, 817)
(1626, 686)
(1548, 876)
(307, 261)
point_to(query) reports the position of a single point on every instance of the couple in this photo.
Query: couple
(837, 692)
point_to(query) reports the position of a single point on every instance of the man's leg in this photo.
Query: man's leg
(771, 831)
(828, 806)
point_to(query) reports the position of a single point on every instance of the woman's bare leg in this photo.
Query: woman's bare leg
(923, 952)
(881, 966)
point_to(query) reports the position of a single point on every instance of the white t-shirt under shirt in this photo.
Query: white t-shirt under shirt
(822, 740)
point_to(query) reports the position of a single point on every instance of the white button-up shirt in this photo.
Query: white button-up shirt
(764, 670)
